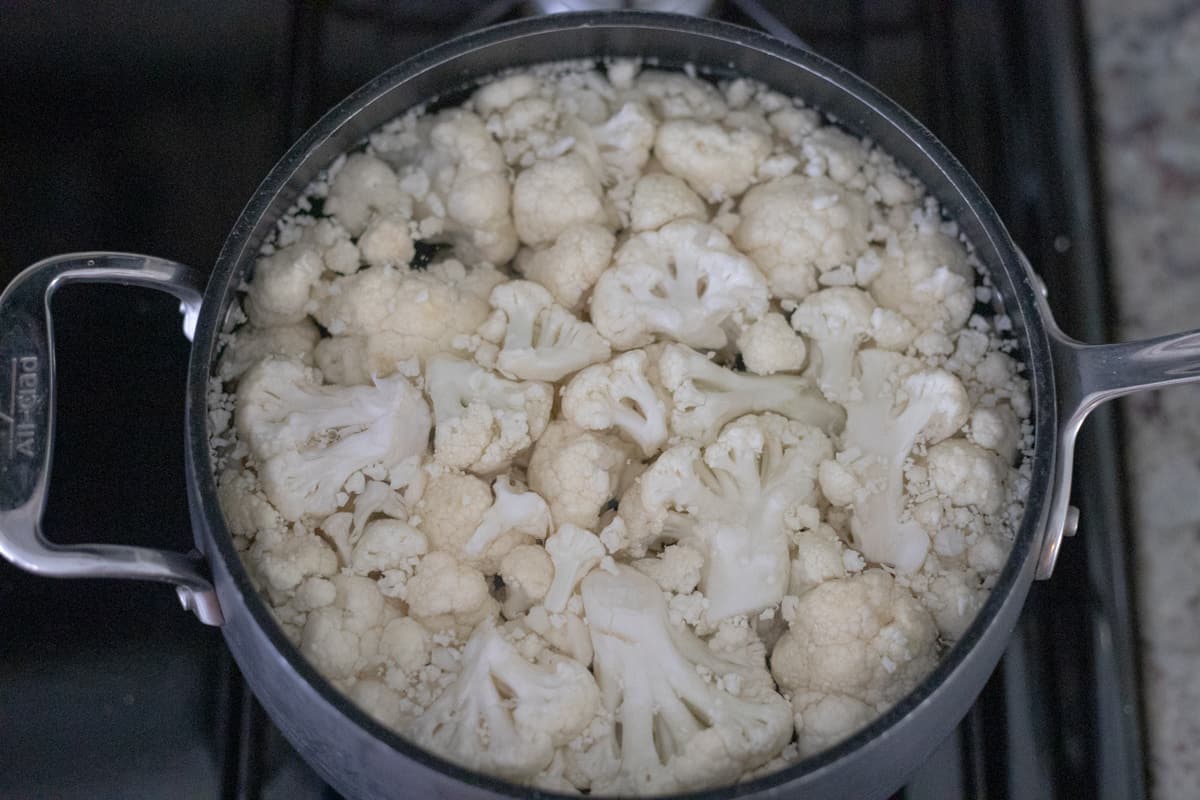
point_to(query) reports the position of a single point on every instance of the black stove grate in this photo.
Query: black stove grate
(162, 707)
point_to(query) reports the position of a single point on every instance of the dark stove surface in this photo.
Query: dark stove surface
(146, 127)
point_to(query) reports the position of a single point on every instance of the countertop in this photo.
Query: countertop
(1146, 70)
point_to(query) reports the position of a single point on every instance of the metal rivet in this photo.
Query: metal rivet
(1071, 523)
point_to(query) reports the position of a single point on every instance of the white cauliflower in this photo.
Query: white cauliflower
(798, 227)
(716, 162)
(308, 439)
(862, 637)
(527, 572)
(902, 403)
(770, 345)
(619, 395)
(283, 281)
(680, 725)
(967, 475)
(505, 715)
(678, 568)
(571, 266)
(446, 595)
(252, 345)
(624, 140)
(551, 196)
(730, 502)
(574, 552)
(837, 321)
(388, 315)
(659, 199)
(542, 340)
(706, 396)
(926, 277)
(684, 281)
(363, 186)
(578, 472)
(483, 421)
(387, 241)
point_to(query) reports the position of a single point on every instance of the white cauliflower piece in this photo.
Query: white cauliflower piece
(566, 633)
(364, 185)
(675, 95)
(527, 572)
(342, 639)
(393, 315)
(678, 731)
(998, 429)
(345, 528)
(659, 199)
(279, 293)
(387, 544)
(387, 241)
(571, 266)
(575, 552)
(542, 340)
(551, 196)
(308, 439)
(823, 720)
(967, 475)
(832, 152)
(797, 227)
(504, 715)
(469, 188)
(483, 420)
(902, 403)
(706, 396)
(730, 502)
(926, 277)
(837, 321)
(683, 281)
(678, 568)
(619, 395)
(716, 162)
(283, 559)
(252, 345)
(444, 594)
(577, 472)
(624, 140)
(863, 638)
(344, 360)
(459, 515)
(770, 345)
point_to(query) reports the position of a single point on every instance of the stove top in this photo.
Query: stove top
(146, 129)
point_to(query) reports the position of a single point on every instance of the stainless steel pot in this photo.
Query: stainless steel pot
(355, 754)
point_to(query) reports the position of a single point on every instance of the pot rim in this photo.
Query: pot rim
(1035, 341)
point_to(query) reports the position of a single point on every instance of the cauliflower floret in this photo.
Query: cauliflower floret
(900, 404)
(625, 139)
(706, 396)
(483, 420)
(822, 720)
(527, 572)
(837, 320)
(570, 267)
(574, 552)
(387, 241)
(469, 188)
(567, 633)
(659, 199)
(863, 637)
(279, 293)
(796, 227)
(542, 340)
(716, 162)
(247, 511)
(553, 195)
(373, 498)
(504, 715)
(829, 151)
(309, 439)
(926, 277)
(446, 594)
(577, 471)
(769, 346)
(459, 515)
(363, 186)
(820, 556)
(397, 314)
(730, 502)
(500, 94)
(678, 730)
(385, 545)
(619, 395)
(282, 559)
(252, 345)
(998, 430)
(967, 475)
(344, 360)
(674, 95)
(342, 639)
(678, 568)
(684, 281)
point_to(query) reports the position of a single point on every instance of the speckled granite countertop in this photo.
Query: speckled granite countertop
(1146, 67)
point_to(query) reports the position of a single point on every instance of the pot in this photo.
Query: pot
(350, 750)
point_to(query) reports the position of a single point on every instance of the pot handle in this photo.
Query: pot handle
(1087, 375)
(27, 425)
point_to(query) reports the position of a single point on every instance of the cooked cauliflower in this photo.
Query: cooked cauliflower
(620, 432)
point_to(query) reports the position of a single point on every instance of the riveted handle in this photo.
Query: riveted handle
(27, 424)
(1087, 375)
